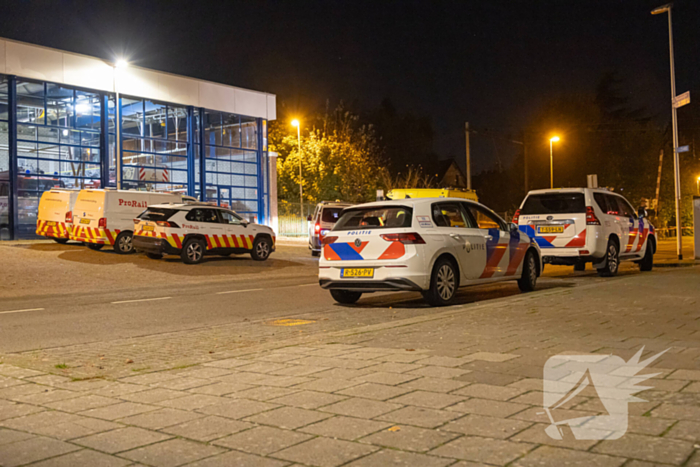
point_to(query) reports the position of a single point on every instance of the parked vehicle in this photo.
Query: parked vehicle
(193, 230)
(322, 221)
(106, 217)
(430, 245)
(55, 214)
(575, 226)
(401, 193)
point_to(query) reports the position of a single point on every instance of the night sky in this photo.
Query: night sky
(487, 62)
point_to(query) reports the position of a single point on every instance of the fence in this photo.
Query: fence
(292, 226)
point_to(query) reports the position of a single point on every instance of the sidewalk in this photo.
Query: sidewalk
(460, 387)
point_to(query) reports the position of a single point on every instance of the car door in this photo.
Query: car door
(496, 240)
(628, 226)
(462, 236)
(235, 231)
(635, 228)
(207, 222)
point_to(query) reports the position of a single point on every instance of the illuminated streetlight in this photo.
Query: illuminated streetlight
(121, 63)
(295, 123)
(551, 160)
(698, 183)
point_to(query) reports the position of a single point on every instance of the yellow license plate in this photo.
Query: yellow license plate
(551, 229)
(357, 272)
(84, 221)
(51, 223)
(147, 228)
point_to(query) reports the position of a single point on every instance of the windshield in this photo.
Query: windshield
(390, 217)
(330, 215)
(157, 214)
(554, 203)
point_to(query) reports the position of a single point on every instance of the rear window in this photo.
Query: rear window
(157, 214)
(330, 215)
(390, 217)
(554, 203)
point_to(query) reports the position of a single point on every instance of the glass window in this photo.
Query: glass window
(249, 133)
(485, 219)
(554, 203)
(157, 214)
(331, 215)
(601, 201)
(202, 215)
(227, 217)
(376, 218)
(624, 207)
(613, 207)
(450, 215)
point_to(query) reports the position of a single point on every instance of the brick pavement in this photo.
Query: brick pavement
(462, 387)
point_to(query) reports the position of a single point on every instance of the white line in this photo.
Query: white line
(306, 285)
(142, 300)
(21, 311)
(237, 291)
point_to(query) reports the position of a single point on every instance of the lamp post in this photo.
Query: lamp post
(698, 184)
(295, 123)
(551, 160)
(120, 64)
(674, 119)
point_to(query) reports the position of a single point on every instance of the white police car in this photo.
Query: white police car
(430, 245)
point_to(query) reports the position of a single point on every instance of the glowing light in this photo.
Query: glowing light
(295, 123)
(121, 63)
(554, 139)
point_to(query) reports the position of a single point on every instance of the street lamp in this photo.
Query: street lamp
(698, 183)
(551, 160)
(676, 164)
(119, 64)
(295, 123)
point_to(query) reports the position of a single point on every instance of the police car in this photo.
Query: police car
(429, 245)
(194, 230)
(575, 226)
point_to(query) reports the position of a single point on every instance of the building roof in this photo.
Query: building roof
(58, 66)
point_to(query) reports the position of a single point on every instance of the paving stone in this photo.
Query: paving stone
(220, 389)
(308, 399)
(49, 380)
(49, 417)
(409, 438)
(203, 372)
(172, 453)
(406, 357)
(228, 363)
(17, 372)
(393, 367)
(361, 408)
(87, 385)
(692, 387)
(122, 439)
(343, 373)
(374, 391)
(486, 377)
(262, 367)
(677, 412)
(325, 452)
(118, 389)
(488, 427)
(16, 393)
(162, 418)
(235, 458)
(121, 410)
(299, 370)
(181, 384)
(536, 435)
(548, 455)
(488, 407)
(489, 391)
(84, 457)
(237, 408)
(651, 426)
(434, 384)
(490, 451)
(528, 384)
(391, 458)
(687, 375)
(490, 356)
(262, 440)
(420, 416)
(153, 396)
(391, 379)
(282, 381)
(685, 430)
(345, 427)
(327, 385)
(647, 448)
(207, 428)
(60, 425)
(263, 393)
(438, 372)
(12, 409)
(288, 417)
(694, 460)
(192, 401)
(331, 362)
(32, 450)
(449, 362)
(149, 378)
(428, 399)
(10, 436)
(46, 396)
(78, 404)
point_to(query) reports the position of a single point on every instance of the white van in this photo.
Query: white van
(106, 217)
(55, 215)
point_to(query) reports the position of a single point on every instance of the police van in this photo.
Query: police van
(55, 215)
(106, 217)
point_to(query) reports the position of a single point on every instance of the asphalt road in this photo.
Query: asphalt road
(39, 321)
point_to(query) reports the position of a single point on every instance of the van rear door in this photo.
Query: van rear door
(555, 219)
(89, 208)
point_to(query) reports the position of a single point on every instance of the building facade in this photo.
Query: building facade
(72, 121)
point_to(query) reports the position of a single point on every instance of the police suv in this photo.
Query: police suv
(194, 230)
(429, 245)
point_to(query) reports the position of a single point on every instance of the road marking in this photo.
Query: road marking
(307, 285)
(290, 322)
(142, 300)
(237, 291)
(21, 311)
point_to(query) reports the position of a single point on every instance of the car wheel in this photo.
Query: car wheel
(345, 297)
(262, 246)
(154, 255)
(124, 243)
(611, 262)
(315, 253)
(528, 279)
(580, 266)
(62, 241)
(647, 263)
(443, 284)
(193, 251)
(95, 246)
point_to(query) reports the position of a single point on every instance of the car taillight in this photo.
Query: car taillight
(69, 217)
(516, 217)
(329, 240)
(136, 220)
(102, 222)
(317, 227)
(405, 238)
(167, 224)
(591, 218)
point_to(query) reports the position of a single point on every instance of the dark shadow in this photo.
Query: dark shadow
(53, 246)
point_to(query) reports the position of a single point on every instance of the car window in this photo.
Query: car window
(202, 215)
(554, 203)
(625, 208)
(331, 215)
(227, 217)
(613, 207)
(602, 202)
(375, 217)
(484, 219)
(450, 215)
(157, 214)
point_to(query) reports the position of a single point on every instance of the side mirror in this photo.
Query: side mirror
(513, 227)
(309, 218)
(642, 212)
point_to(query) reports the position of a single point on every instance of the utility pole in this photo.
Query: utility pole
(469, 161)
(658, 182)
(525, 162)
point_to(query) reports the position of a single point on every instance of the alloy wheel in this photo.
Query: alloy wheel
(125, 243)
(262, 249)
(446, 282)
(532, 269)
(194, 251)
(612, 258)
